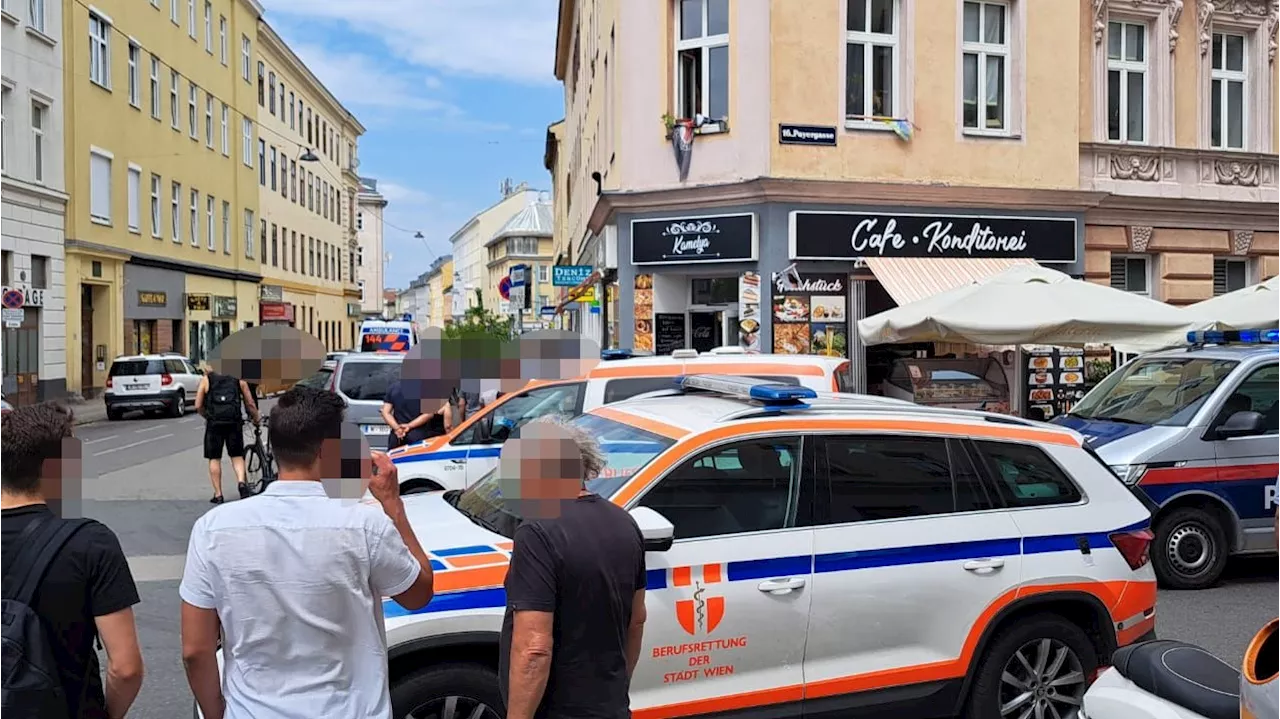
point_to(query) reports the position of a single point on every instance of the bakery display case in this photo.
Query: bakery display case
(977, 383)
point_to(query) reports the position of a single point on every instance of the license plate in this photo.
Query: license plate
(375, 429)
(135, 386)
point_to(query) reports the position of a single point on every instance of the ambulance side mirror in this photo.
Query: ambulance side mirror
(657, 530)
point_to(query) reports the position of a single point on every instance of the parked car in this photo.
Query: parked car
(319, 380)
(362, 380)
(153, 382)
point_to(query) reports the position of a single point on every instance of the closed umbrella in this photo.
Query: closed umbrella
(1253, 307)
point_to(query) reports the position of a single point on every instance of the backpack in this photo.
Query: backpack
(223, 399)
(32, 686)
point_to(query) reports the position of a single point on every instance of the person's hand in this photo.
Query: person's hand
(385, 483)
(401, 431)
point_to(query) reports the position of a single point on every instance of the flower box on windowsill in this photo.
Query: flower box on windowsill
(710, 127)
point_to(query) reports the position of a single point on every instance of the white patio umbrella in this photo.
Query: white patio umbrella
(1033, 305)
(1253, 307)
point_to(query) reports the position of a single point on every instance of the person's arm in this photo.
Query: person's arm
(250, 402)
(200, 628)
(112, 595)
(531, 596)
(635, 630)
(201, 391)
(399, 567)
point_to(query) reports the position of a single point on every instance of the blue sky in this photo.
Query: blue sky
(455, 95)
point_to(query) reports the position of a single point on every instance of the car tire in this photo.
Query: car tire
(179, 407)
(1180, 533)
(470, 685)
(990, 691)
(114, 415)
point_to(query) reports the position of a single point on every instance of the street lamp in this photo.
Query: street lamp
(418, 236)
(308, 156)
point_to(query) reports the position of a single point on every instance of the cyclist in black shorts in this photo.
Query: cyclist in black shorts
(218, 401)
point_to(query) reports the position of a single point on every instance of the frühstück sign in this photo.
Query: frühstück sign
(722, 238)
(853, 235)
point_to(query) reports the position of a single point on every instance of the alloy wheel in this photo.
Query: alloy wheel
(454, 707)
(1042, 680)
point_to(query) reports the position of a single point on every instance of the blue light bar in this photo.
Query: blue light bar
(618, 354)
(770, 393)
(1222, 337)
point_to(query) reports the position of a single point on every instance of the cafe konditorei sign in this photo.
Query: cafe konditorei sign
(680, 240)
(853, 235)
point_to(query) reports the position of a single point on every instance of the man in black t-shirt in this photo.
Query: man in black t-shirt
(406, 412)
(88, 590)
(575, 589)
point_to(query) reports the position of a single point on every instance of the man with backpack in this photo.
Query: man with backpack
(218, 401)
(66, 582)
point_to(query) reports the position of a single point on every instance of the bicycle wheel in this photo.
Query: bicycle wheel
(255, 478)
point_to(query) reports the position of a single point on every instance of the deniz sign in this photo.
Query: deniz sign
(853, 235)
(722, 238)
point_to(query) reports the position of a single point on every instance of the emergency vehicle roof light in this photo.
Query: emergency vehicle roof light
(770, 393)
(1222, 337)
(684, 354)
(618, 354)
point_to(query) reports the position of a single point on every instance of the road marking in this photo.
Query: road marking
(134, 444)
(148, 429)
(157, 568)
(188, 419)
(101, 439)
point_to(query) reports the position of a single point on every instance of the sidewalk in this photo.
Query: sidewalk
(89, 411)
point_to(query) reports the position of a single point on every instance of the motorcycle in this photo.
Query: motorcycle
(1165, 679)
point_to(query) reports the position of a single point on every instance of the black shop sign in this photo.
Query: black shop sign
(679, 240)
(853, 235)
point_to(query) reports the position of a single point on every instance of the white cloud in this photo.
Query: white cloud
(510, 39)
(359, 80)
(395, 192)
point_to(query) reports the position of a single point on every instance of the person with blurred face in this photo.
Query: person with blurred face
(407, 408)
(575, 613)
(294, 580)
(85, 589)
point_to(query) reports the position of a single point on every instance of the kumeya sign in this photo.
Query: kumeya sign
(853, 235)
(720, 238)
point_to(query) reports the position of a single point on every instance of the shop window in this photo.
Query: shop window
(715, 291)
(1131, 274)
(1229, 275)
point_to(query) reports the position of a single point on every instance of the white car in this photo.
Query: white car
(156, 382)
(830, 556)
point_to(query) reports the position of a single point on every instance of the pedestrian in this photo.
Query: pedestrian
(575, 613)
(301, 622)
(66, 582)
(218, 400)
(402, 410)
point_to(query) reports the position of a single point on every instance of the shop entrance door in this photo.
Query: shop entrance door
(86, 340)
(706, 331)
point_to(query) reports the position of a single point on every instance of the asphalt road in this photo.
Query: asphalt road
(147, 480)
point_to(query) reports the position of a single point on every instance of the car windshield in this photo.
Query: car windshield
(318, 380)
(626, 450)
(136, 367)
(1164, 391)
(367, 380)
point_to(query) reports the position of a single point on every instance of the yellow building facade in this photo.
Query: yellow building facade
(439, 281)
(526, 239)
(307, 186)
(158, 132)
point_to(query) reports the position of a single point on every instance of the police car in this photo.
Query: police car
(457, 460)
(1196, 428)
(827, 556)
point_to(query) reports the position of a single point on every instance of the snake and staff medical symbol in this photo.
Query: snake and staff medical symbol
(702, 613)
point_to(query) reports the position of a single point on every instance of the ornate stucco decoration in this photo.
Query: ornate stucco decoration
(1172, 7)
(1139, 238)
(1135, 167)
(1204, 25)
(1236, 172)
(1099, 21)
(1241, 242)
(1175, 16)
(1237, 10)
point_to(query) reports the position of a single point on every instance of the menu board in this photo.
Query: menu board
(643, 340)
(749, 312)
(1055, 380)
(810, 315)
(668, 333)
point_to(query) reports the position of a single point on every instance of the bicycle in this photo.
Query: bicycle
(259, 463)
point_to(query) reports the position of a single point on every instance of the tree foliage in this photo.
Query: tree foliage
(478, 322)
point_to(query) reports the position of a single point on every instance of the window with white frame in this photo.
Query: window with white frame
(155, 4)
(245, 58)
(135, 90)
(99, 51)
(702, 58)
(1131, 273)
(226, 135)
(1127, 73)
(192, 123)
(544, 273)
(986, 65)
(222, 39)
(37, 15)
(155, 87)
(248, 233)
(176, 212)
(173, 98)
(1228, 87)
(100, 186)
(194, 219)
(173, 10)
(191, 18)
(4, 129)
(872, 37)
(246, 141)
(262, 162)
(155, 206)
(134, 191)
(292, 120)
(208, 120)
(39, 115)
(208, 27)
(271, 92)
(226, 227)
(273, 167)
(1229, 275)
(361, 285)
(209, 237)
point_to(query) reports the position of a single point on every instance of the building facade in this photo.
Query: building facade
(439, 284)
(826, 176)
(307, 190)
(525, 239)
(469, 242)
(34, 202)
(370, 267)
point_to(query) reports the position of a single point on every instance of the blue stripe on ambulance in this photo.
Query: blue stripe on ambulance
(656, 579)
(495, 451)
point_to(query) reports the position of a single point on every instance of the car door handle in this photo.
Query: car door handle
(458, 461)
(781, 586)
(978, 565)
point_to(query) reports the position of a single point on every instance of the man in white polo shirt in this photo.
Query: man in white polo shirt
(294, 580)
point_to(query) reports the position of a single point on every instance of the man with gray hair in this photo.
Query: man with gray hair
(575, 587)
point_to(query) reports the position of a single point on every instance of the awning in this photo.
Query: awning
(578, 290)
(909, 279)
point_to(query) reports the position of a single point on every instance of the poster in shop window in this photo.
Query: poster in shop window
(643, 341)
(749, 312)
(1056, 380)
(811, 316)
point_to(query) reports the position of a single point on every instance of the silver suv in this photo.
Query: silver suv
(362, 380)
(155, 382)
